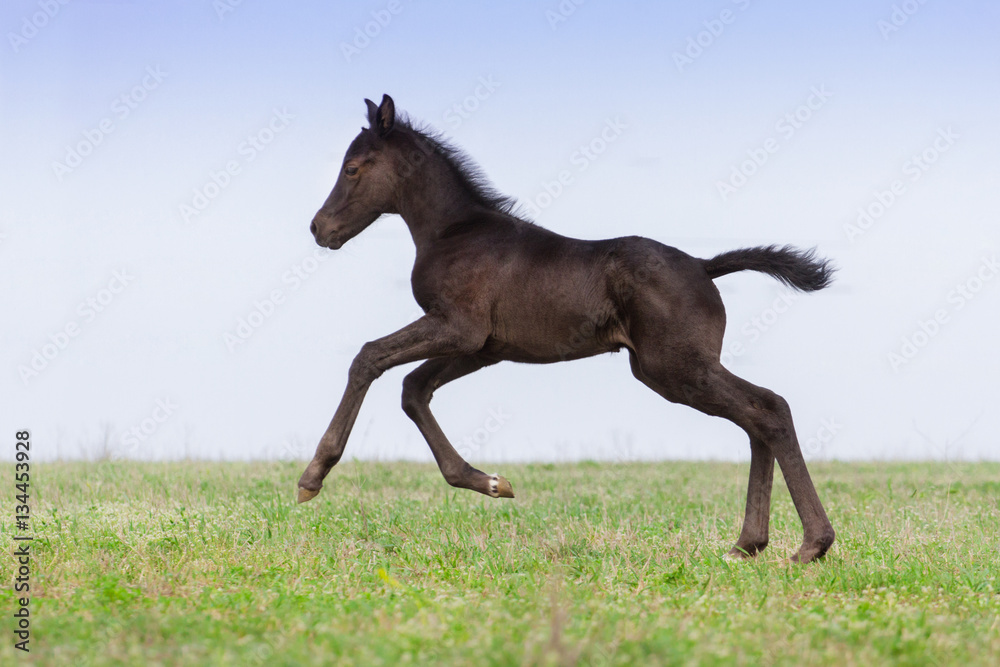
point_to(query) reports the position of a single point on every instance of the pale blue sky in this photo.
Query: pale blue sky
(268, 88)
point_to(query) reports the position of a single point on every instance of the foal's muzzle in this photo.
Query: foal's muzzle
(329, 239)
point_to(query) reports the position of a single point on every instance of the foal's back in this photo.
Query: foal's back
(549, 297)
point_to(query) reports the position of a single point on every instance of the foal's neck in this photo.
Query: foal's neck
(432, 200)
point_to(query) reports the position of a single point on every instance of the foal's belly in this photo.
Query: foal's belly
(545, 333)
(529, 353)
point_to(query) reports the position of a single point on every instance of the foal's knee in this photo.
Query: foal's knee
(363, 369)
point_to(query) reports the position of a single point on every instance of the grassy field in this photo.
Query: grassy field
(205, 563)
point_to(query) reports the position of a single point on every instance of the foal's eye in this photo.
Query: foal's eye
(351, 171)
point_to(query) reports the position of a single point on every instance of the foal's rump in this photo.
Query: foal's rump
(673, 311)
(665, 295)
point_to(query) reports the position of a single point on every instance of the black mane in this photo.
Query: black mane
(470, 175)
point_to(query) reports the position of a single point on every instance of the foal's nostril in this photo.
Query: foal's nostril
(312, 228)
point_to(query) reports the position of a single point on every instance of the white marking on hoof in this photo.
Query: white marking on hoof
(495, 485)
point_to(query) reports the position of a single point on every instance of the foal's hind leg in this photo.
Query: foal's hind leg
(689, 378)
(753, 536)
(418, 388)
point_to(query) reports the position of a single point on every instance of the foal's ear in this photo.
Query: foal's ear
(385, 116)
(372, 112)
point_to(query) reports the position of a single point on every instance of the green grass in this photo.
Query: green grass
(205, 563)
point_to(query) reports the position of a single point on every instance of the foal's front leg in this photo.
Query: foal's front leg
(430, 336)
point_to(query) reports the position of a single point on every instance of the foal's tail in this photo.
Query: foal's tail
(796, 268)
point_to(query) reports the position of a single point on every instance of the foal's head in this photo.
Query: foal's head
(367, 185)
(392, 165)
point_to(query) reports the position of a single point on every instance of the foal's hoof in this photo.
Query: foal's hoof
(747, 550)
(802, 557)
(814, 549)
(738, 555)
(807, 555)
(500, 487)
(305, 495)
